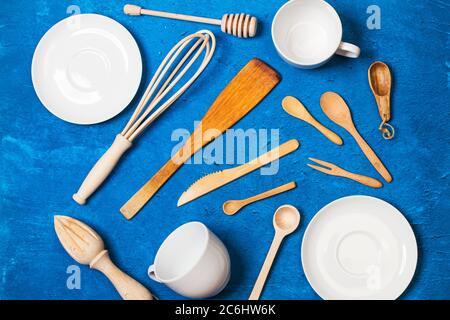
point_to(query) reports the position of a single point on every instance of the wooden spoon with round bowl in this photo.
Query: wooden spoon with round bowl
(296, 109)
(338, 111)
(232, 207)
(285, 221)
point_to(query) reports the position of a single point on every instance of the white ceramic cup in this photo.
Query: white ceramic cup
(307, 33)
(192, 261)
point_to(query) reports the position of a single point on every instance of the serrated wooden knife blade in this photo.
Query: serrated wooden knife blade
(218, 179)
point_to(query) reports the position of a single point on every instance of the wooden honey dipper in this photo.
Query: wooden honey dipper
(240, 25)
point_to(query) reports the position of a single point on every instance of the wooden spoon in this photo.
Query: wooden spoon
(296, 109)
(380, 81)
(231, 207)
(337, 110)
(285, 221)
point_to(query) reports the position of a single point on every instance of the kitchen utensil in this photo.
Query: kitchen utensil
(172, 69)
(337, 110)
(334, 170)
(85, 246)
(239, 24)
(285, 221)
(231, 207)
(357, 248)
(86, 69)
(308, 33)
(220, 178)
(296, 109)
(380, 81)
(240, 96)
(192, 261)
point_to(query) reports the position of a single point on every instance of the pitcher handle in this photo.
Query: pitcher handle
(348, 50)
(151, 273)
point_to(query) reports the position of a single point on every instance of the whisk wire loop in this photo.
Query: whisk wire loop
(143, 116)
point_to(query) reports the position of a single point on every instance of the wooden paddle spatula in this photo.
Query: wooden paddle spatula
(239, 97)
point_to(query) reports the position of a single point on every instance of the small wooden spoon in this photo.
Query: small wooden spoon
(285, 221)
(338, 111)
(380, 81)
(296, 109)
(231, 207)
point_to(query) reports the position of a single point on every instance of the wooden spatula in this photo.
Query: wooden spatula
(240, 96)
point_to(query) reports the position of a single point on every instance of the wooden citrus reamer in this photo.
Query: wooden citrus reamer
(238, 98)
(86, 246)
(239, 25)
(172, 69)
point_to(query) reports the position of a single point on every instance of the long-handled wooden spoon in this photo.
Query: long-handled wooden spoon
(231, 207)
(296, 109)
(334, 170)
(337, 110)
(380, 81)
(285, 221)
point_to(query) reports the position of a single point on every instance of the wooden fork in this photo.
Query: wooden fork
(334, 170)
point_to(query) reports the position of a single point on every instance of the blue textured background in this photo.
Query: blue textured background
(43, 159)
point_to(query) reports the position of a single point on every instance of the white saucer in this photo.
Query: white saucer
(86, 69)
(358, 248)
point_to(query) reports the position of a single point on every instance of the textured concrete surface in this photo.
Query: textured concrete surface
(43, 159)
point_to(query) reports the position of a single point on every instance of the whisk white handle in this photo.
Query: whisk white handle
(102, 169)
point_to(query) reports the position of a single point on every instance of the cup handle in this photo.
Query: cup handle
(348, 50)
(151, 273)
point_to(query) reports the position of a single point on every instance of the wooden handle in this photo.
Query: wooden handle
(373, 158)
(146, 192)
(272, 155)
(128, 288)
(367, 181)
(102, 169)
(134, 10)
(384, 107)
(259, 285)
(333, 137)
(270, 193)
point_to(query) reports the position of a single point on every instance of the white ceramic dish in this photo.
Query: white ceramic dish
(86, 69)
(307, 33)
(359, 248)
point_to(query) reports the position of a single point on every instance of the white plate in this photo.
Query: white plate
(86, 69)
(358, 248)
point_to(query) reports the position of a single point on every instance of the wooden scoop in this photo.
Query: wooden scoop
(380, 81)
(85, 246)
(296, 109)
(337, 110)
(239, 97)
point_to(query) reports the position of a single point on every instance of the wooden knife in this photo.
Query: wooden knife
(220, 178)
